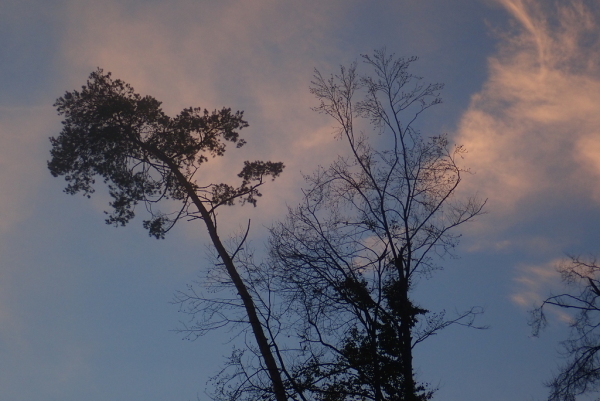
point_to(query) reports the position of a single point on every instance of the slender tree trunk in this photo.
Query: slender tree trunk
(257, 329)
(261, 339)
(406, 325)
(376, 362)
(406, 341)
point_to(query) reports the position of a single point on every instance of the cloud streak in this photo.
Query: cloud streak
(533, 131)
(532, 283)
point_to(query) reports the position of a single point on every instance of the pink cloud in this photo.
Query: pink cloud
(532, 283)
(258, 56)
(533, 128)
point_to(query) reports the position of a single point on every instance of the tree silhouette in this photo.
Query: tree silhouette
(146, 157)
(369, 227)
(581, 373)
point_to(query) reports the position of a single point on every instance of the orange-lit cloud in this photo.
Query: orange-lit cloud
(257, 56)
(533, 282)
(533, 130)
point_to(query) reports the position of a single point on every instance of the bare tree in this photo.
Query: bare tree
(369, 227)
(581, 373)
(147, 157)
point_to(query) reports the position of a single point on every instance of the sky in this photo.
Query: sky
(85, 308)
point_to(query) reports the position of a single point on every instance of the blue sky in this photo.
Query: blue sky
(84, 307)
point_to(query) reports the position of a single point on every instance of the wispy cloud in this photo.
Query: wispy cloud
(532, 283)
(535, 283)
(533, 131)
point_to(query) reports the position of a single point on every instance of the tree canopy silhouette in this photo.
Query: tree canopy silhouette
(146, 157)
(370, 226)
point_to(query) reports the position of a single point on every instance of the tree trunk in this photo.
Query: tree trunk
(406, 340)
(406, 325)
(257, 329)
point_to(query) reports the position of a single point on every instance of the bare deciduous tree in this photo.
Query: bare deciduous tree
(581, 373)
(370, 226)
